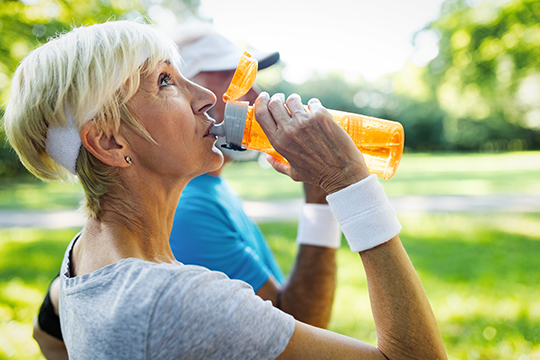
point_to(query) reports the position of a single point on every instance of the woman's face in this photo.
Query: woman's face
(173, 110)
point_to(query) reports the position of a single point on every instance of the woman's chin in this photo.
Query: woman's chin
(217, 160)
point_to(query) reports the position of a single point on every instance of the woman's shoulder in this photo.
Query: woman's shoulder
(206, 315)
(140, 272)
(174, 283)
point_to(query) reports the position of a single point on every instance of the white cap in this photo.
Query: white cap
(203, 49)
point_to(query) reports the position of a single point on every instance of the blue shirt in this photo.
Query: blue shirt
(212, 230)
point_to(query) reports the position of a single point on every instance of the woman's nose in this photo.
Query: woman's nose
(202, 100)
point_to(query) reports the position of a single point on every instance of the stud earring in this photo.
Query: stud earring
(128, 160)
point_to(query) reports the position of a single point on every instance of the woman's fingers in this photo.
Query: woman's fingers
(296, 108)
(319, 151)
(263, 115)
(277, 108)
(314, 105)
(278, 165)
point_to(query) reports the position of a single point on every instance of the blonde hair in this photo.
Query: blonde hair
(86, 74)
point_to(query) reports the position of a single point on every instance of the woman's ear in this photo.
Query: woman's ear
(110, 149)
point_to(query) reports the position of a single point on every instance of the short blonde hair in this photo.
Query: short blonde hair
(89, 73)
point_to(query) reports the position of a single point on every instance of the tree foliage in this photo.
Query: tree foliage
(481, 92)
(487, 75)
(26, 24)
(420, 114)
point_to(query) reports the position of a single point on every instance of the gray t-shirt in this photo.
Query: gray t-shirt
(136, 309)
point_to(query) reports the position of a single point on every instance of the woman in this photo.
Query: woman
(108, 104)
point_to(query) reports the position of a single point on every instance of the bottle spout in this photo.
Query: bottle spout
(218, 130)
(232, 127)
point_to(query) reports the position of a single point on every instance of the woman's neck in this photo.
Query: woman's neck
(134, 221)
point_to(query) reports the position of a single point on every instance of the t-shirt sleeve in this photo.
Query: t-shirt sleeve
(203, 234)
(205, 315)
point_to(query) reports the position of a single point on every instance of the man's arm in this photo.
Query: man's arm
(51, 346)
(308, 295)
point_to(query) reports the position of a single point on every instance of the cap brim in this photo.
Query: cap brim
(230, 61)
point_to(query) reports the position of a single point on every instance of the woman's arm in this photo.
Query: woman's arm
(406, 326)
(321, 153)
(51, 346)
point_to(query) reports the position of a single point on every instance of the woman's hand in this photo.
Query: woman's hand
(318, 150)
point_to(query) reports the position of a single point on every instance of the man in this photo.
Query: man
(212, 230)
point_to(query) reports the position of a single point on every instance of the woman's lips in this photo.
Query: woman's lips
(207, 133)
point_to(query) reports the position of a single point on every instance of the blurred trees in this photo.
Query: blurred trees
(480, 91)
(26, 24)
(487, 73)
(400, 97)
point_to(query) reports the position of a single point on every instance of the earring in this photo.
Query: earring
(128, 160)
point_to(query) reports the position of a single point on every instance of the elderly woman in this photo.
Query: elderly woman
(108, 104)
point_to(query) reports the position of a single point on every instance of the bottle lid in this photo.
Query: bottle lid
(234, 121)
(243, 79)
(232, 127)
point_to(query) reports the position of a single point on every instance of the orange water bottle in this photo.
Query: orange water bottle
(380, 141)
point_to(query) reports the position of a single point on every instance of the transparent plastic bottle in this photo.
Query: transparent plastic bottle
(380, 141)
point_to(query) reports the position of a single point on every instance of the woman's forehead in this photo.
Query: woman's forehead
(165, 65)
(161, 66)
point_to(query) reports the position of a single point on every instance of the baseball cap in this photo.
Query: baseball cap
(203, 49)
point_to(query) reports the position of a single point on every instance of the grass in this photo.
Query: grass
(30, 259)
(35, 194)
(480, 271)
(466, 174)
(419, 174)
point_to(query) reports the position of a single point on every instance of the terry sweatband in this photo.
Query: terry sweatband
(48, 320)
(318, 226)
(364, 213)
(63, 143)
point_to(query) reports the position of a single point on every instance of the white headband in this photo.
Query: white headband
(63, 143)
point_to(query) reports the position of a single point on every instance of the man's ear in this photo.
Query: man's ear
(108, 148)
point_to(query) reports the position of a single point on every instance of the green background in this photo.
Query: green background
(480, 270)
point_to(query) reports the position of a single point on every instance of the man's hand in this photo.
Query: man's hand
(314, 194)
(318, 150)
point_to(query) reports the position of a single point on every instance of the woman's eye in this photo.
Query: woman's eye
(165, 80)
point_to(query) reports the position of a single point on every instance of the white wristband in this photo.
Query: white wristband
(318, 226)
(366, 217)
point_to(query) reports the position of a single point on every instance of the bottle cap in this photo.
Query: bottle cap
(234, 120)
(232, 127)
(243, 79)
